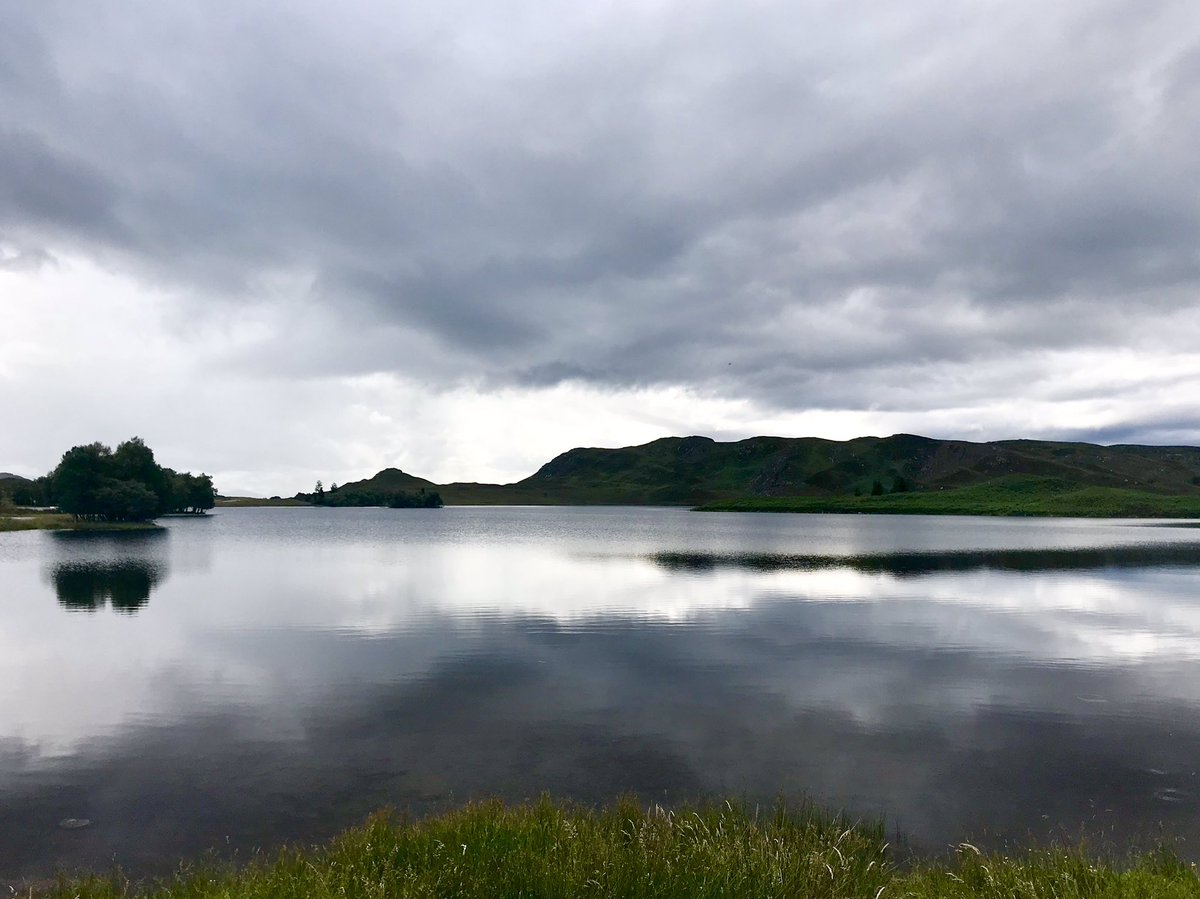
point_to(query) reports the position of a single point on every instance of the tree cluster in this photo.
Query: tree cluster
(95, 483)
(21, 492)
(393, 499)
(899, 485)
(419, 500)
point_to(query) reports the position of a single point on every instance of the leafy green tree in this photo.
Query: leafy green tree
(877, 489)
(125, 501)
(190, 493)
(134, 461)
(79, 477)
(201, 495)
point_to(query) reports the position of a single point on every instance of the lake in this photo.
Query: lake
(259, 676)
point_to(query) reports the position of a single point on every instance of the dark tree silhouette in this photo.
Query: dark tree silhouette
(94, 483)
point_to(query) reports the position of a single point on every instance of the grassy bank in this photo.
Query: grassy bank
(1005, 496)
(549, 850)
(22, 520)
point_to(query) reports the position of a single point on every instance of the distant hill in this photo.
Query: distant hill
(390, 480)
(9, 476)
(698, 470)
(390, 487)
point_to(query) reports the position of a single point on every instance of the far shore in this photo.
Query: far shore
(234, 502)
(1003, 498)
(1012, 497)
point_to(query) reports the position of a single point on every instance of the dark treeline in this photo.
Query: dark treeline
(96, 483)
(393, 499)
(26, 493)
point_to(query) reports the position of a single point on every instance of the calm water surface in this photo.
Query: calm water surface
(269, 675)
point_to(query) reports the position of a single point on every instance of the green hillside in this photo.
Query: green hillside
(696, 469)
(1013, 495)
(907, 473)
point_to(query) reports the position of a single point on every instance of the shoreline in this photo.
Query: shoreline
(550, 848)
(1011, 498)
(21, 520)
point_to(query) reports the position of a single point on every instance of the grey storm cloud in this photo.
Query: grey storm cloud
(782, 201)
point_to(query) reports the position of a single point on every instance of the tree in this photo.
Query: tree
(877, 489)
(78, 478)
(190, 493)
(134, 461)
(201, 495)
(125, 501)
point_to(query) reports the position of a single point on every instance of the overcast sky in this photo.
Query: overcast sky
(290, 240)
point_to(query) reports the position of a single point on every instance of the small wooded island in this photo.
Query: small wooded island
(392, 497)
(98, 487)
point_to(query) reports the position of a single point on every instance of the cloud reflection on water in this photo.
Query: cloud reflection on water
(281, 694)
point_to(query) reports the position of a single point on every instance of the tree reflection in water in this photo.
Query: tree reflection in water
(88, 586)
(120, 570)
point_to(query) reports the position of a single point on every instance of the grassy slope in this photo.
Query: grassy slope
(1004, 496)
(547, 850)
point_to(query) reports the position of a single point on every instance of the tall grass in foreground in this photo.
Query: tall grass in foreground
(551, 850)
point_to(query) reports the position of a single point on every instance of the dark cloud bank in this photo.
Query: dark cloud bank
(813, 205)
